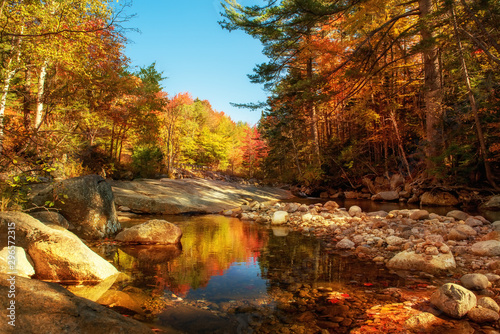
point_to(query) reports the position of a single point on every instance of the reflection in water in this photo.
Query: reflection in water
(224, 260)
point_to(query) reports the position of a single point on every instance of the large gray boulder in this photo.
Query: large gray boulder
(87, 202)
(486, 248)
(56, 254)
(42, 307)
(155, 231)
(386, 196)
(454, 300)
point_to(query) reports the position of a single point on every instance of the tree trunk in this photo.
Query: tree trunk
(40, 95)
(313, 117)
(472, 100)
(6, 83)
(432, 86)
(400, 142)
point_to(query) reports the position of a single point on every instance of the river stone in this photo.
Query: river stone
(419, 215)
(345, 244)
(488, 302)
(394, 241)
(23, 265)
(87, 202)
(454, 300)
(438, 198)
(474, 281)
(331, 205)
(457, 214)
(433, 264)
(355, 211)
(486, 248)
(56, 254)
(49, 308)
(386, 196)
(279, 218)
(482, 315)
(473, 222)
(155, 231)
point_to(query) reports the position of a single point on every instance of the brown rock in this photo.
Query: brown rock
(482, 315)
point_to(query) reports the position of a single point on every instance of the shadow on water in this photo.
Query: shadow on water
(225, 271)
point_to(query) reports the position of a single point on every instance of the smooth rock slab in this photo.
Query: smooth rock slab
(49, 308)
(438, 198)
(155, 231)
(386, 196)
(454, 300)
(434, 264)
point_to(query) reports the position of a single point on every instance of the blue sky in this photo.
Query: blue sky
(189, 46)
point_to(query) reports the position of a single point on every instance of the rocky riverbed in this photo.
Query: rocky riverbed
(456, 258)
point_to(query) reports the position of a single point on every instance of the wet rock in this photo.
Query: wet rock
(474, 281)
(22, 265)
(454, 300)
(433, 264)
(155, 231)
(486, 248)
(280, 217)
(49, 308)
(438, 198)
(482, 315)
(457, 214)
(386, 196)
(87, 202)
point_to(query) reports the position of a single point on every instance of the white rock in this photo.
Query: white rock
(280, 217)
(454, 300)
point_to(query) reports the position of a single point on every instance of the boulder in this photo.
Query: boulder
(51, 217)
(473, 222)
(386, 196)
(155, 231)
(438, 198)
(486, 248)
(454, 300)
(474, 281)
(493, 204)
(433, 264)
(87, 202)
(42, 307)
(15, 261)
(396, 181)
(488, 302)
(56, 254)
(279, 218)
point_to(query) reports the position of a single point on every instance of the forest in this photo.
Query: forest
(356, 88)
